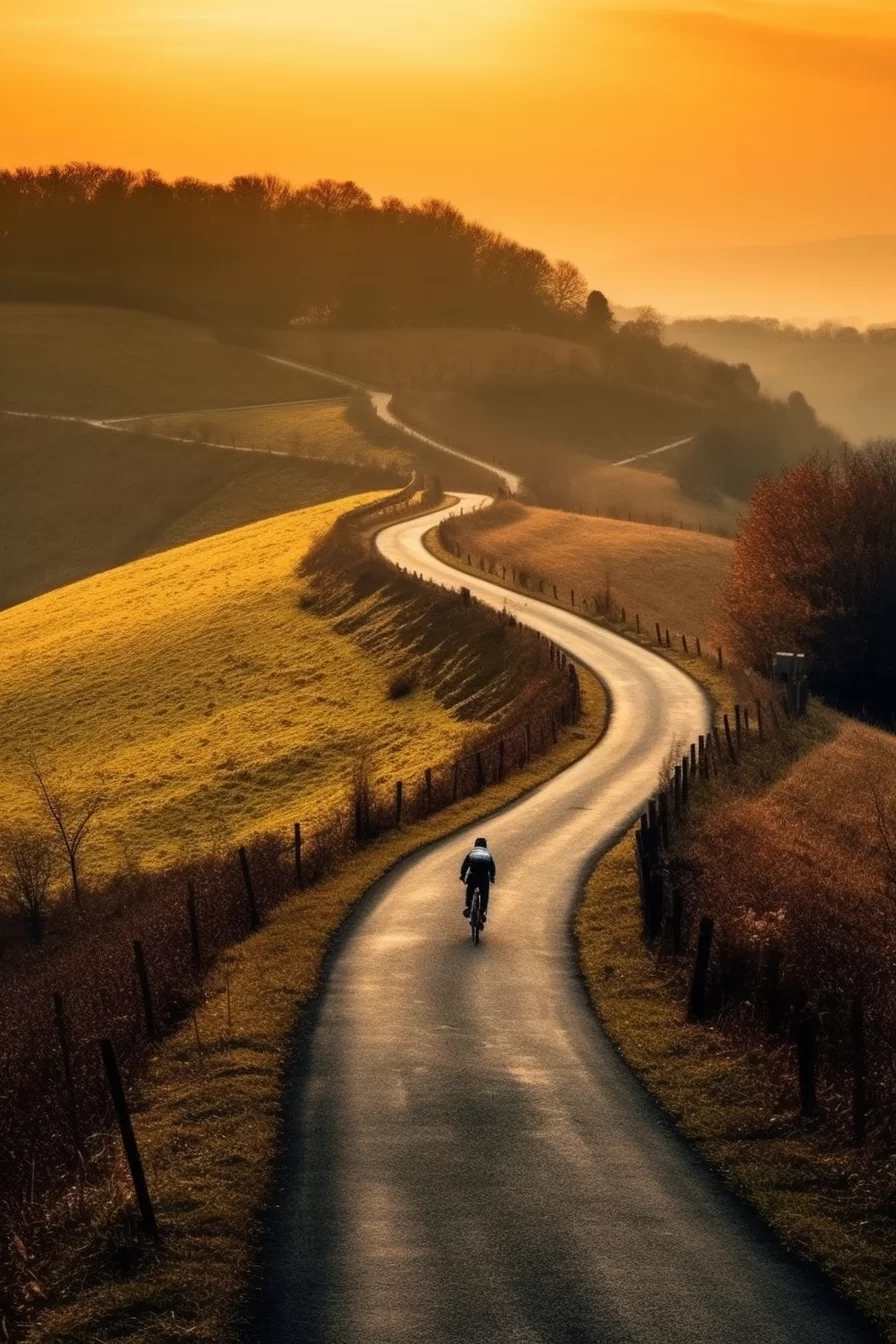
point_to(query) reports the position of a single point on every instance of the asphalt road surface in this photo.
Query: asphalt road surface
(466, 1158)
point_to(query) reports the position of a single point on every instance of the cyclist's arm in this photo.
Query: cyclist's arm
(463, 868)
(492, 871)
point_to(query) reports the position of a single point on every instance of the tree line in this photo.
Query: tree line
(262, 250)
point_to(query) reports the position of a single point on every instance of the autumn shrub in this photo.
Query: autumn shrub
(814, 571)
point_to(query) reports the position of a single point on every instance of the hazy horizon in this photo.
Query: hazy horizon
(592, 130)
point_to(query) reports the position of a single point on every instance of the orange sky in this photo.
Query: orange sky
(592, 129)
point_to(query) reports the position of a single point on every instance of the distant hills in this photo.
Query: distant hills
(847, 279)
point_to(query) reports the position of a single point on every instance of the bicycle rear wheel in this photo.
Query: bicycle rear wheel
(475, 911)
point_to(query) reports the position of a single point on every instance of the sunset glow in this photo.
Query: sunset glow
(591, 129)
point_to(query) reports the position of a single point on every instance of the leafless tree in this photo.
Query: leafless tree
(567, 287)
(72, 815)
(27, 867)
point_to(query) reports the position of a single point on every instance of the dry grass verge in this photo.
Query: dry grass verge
(738, 1105)
(209, 1112)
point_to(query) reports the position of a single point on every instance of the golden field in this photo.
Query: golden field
(319, 430)
(209, 704)
(666, 574)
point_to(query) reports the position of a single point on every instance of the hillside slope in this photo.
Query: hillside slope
(78, 500)
(103, 362)
(664, 573)
(203, 695)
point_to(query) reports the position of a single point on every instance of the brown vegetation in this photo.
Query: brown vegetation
(815, 570)
(790, 853)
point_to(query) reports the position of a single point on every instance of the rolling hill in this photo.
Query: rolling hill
(205, 697)
(72, 359)
(78, 498)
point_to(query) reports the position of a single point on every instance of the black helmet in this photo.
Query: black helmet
(481, 840)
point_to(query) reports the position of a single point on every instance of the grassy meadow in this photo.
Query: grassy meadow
(105, 362)
(209, 703)
(666, 574)
(78, 500)
(319, 430)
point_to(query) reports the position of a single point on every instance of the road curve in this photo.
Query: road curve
(466, 1157)
(381, 402)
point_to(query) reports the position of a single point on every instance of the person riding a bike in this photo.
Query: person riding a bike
(478, 870)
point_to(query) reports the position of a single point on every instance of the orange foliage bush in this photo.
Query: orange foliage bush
(814, 570)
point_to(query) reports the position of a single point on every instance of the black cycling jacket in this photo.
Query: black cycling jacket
(478, 863)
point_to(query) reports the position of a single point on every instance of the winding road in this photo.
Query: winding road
(466, 1157)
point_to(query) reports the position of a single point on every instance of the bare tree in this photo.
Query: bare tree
(567, 287)
(27, 866)
(72, 816)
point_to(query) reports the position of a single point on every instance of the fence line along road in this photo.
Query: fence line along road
(466, 1156)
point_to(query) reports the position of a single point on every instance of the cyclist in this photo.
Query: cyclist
(478, 870)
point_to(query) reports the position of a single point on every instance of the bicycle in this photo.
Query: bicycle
(476, 921)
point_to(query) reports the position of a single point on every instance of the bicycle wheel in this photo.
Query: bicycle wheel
(474, 916)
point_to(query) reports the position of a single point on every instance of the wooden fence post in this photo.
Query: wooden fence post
(685, 782)
(193, 922)
(555, 592)
(297, 852)
(693, 755)
(129, 1142)
(677, 790)
(719, 653)
(684, 643)
(659, 636)
(399, 799)
(729, 739)
(738, 728)
(746, 722)
(859, 1089)
(807, 1060)
(702, 758)
(699, 650)
(637, 623)
(668, 640)
(145, 991)
(65, 1051)
(697, 999)
(759, 726)
(254, 921)
(663, 811)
